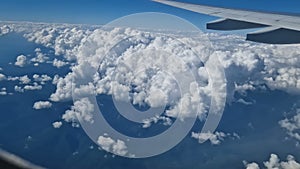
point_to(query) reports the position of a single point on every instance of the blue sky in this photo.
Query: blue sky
(104, 11)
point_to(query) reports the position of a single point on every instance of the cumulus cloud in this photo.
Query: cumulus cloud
(265, 64)
(5, 29)
(24, 79)
(35, 86)
(3, 91)
(21, 61)
(275, 163)
(154, 89)
(130, 74)
(63, 88)
(153, 120)
(63, 39)
(59, 63)
(273, 65)
(41, 78)
(19, 89)
(42, 105)
(251, 165)
(215, 138)
(57, 124)
(247, 66)
(40, 57)
(292, 125)
(2, 77)
(81, 109)
(117, 147)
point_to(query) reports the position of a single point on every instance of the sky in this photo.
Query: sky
(104, 11)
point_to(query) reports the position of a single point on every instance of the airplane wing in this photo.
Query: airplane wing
(11, 161)
(276, 28)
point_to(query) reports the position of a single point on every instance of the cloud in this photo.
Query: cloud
(58, 63)
(42, 105)
(154, 86)
(55, 79)
(40, 57)
(3, 93)
(21, 61)
(265, 64)
(57, 124)
(81, 110)
(5, 29)
(24, 79)
(117, 147)
(63, 39)
(292, 125)
(273, 65)
(35, 86)
(215, 138)
(63, 89)
(19, 89)
(41, 78)
(248, 66)
(275, 163)
(251, 165)
(242, 101)
(148, 122)
(2, 77)
(27, 82)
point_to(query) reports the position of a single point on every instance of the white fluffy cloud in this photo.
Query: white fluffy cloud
(215, 138)
(247, 65)
(24, 79)
(57, 124)
(148, 122)
(292, 125)
(275, 163)
(3, 91)
(59, 63)
(273, 65)
(35, 86)
(63, 89)
(42, 105)
(251, 165)
(41, 78)
(5, 29)
(81, 109)
(21, 61)
(2, 77)
(117, 147)
(40, 57)
(19, 89)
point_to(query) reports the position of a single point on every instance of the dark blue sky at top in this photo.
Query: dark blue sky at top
(104, 11)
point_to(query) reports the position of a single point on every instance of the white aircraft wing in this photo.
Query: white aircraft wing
(277, 28)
